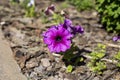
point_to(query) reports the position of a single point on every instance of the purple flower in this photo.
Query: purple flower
(73, 29)
(49, 9)
(116, 38)
(58, 39)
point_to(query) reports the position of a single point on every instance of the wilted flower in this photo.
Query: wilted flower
(73, 29)
(79, 29)
(57, 38)
(49, 9)
(116, 38)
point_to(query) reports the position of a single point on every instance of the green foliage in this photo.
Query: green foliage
(69, 68)
(68, 55)
(82, 4)
(117, 57)
(99, 52)
(29, 10)
(96, 65)
(110, 11)
(57, 18)
(64, 5)
(14, 3)
(44, 18)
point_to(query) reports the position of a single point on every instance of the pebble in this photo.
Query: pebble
(52, 78)
(96, 78)
(66, 79)
(49, 68)
(45, 62)
(39, 69)
(33, 74)
(60, 75)
(32, 63)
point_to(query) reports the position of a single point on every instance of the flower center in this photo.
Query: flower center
(58, 38)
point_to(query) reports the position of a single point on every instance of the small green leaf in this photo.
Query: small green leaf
(69, 68)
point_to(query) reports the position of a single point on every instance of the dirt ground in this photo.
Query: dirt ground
(32, 55)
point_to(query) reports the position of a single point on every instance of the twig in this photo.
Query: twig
(112, 45)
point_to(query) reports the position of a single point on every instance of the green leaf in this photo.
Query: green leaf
(69, 68)
(117, 56)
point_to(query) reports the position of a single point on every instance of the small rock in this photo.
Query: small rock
(25, 20)
(61, 75)
(45, 62)
(57, 59)
(33, 74)
(52, 78)
(96, 78)
(94, 13)
(58, 66)
(43, 79)
(56, 76)
(32, 63)
(49, 68)
(39, 69)
(60, 79)
(66, 79)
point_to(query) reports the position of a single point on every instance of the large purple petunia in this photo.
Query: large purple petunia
(58, 39)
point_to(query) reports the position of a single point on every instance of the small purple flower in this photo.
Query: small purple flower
(57, 38)
(116, 38)
(49, 9)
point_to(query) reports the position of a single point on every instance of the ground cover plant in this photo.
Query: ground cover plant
(110, 14)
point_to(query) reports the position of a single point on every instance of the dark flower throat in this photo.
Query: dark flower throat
(58, 38)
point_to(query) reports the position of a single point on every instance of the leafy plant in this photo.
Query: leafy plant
(82, 4)
(59, 37)
(57, 18)
(110, 13)
(117, 57)
(96, 65)
(29, 7)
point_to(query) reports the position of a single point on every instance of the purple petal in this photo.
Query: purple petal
(116, 38)
(63, 48)
(67, 23)
(79, 29)
(52, 7)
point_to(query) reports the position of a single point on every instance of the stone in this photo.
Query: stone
(96, 78)
(66, 79)
(9, 69)
(45, 62)
(39, 69)
(32, 63)
(61, 75)
(33, 74)
(52, 78)
(49, 68)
